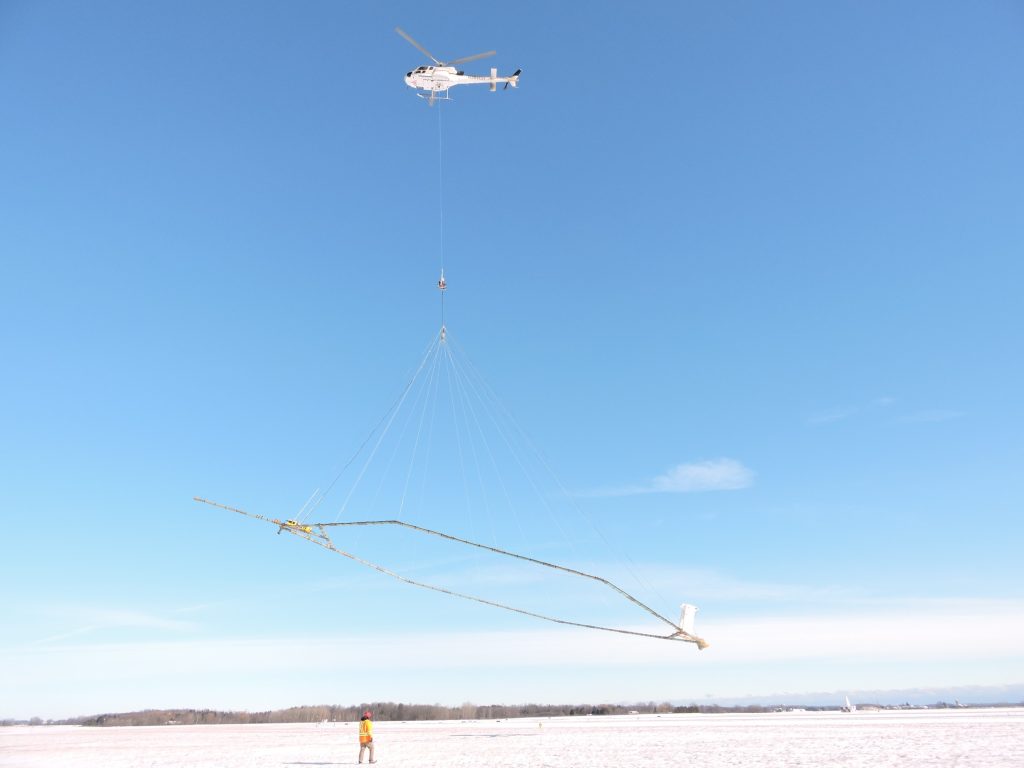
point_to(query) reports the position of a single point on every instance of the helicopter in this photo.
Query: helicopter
(436, 80)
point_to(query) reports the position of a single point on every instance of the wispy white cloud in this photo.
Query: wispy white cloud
(716, 475)
(831, 415)
(879, 404)
(92, 619)
(841, 413)
(712, 475)
(931, 416)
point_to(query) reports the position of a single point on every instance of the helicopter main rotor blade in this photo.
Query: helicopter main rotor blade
(474, 57)
(419, 47)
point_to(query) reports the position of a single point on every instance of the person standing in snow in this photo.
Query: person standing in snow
(366, 735)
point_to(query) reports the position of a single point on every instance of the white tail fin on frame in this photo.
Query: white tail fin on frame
(687, 613)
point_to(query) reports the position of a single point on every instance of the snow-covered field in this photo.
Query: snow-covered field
(961, 738)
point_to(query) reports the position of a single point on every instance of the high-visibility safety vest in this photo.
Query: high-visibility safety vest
(365, 731)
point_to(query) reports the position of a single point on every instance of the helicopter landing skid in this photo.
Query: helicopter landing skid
(433, 96)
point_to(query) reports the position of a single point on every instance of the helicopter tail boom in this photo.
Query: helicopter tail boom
(512, 79)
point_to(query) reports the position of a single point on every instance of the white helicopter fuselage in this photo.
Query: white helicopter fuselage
(438, 79)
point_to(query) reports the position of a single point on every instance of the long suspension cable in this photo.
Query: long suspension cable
(440, 198)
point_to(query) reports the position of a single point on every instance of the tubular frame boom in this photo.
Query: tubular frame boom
(316, 533)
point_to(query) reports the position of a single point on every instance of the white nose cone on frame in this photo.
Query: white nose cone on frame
(687, 613)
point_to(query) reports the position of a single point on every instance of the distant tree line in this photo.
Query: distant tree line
(382, 711)
(390, 711)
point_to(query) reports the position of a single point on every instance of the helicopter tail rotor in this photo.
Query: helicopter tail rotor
(513, 80)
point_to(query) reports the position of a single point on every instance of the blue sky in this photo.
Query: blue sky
(746, 275)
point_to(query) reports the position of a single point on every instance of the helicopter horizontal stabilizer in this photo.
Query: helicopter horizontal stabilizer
(494, 79)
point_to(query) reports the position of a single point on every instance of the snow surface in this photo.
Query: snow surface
(962, 738)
